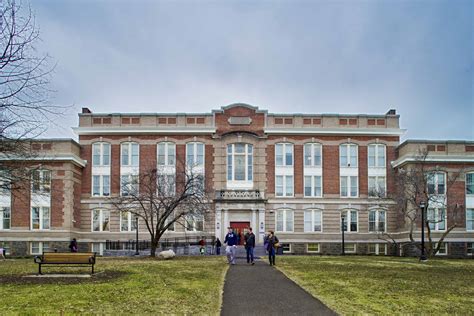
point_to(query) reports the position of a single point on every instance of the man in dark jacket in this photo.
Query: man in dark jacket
(231, 241)
(249, 245)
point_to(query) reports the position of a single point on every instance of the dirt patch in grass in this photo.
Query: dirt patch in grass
(101, 277)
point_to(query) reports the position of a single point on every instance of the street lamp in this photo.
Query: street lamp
(136, 230)
(343, 228)
(423, 256)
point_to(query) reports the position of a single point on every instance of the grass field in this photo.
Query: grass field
(383, 285)
(185, 285)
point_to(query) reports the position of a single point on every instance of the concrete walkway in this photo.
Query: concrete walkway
(263, 290)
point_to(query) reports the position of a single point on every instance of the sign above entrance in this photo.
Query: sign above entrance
(239, 120)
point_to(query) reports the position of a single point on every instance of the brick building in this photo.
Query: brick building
(296, 174)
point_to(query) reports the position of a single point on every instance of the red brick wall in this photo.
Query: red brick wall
(255, 127)
(391, 155)
(115, 165)
(270, 169)
(57, 202)
(86, 154)
(21, 204)
(180, 167)
(330, 169)
(147, 158)
(363, 177)
(298, 170)
(456, 212)
(77, 205)
(209, 167)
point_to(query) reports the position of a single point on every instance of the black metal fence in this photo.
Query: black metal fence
(164, 243)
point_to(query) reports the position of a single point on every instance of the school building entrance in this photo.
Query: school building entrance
(240, 228)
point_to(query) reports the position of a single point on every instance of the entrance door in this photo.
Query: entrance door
(240, 228)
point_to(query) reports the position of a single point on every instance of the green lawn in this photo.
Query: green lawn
(384, 285)
(185, 285)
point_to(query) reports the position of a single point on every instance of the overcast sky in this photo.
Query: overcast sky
(283, 56)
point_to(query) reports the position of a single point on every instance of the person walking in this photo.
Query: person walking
(202, 243)
(218, 246)
(73, 245)
(249, 245)
(231, 241)
(272, 245)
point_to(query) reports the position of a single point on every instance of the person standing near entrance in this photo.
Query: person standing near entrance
(272, 245)
(73, 245)
(249, 245)
(231, 241)
(218, 246)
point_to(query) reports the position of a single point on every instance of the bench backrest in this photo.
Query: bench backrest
(67, 257)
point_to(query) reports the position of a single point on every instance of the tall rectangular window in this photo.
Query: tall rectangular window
(437, 218)
(194, 223)
(349, 186)
(5, 218)
(128, 222)
(195, 155)
(470, 219)
(5, 182)
(40, 218)
(313, 221)
(166, 184)
(41, 181)
(349, 221)
(436, 183)
(376, 155)
(101, 154)
(284, 220)
(377, 221)
(239, 162)
(312, 155)
(167, 154)
(283, 154)
(284, 186)
(38, 247)
(377, 186)
(312, 186)
(100, 185)
(470, 183)
(100, 221)
(130, 154)
(129, 185)
(348, 155)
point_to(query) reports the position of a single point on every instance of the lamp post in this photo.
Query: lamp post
(422, 207)
(343, 228)
(136, 230)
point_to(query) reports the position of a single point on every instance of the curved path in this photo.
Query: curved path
(263, 290)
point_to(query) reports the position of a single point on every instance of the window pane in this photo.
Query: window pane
(250, 167)
(6, 217)
(317, 186)
(353, 153)
(372, 156)
(307, 221)
(125, 153)
(317, 155)
(470, 183)
(381, 156)
(106, 155)
(289, 221)
(279, 221)
(354, 186)
(239, 169)
(135, 154)
(105, 220)
(161, 154)
(441, 219)
(372, 219)
(190, 155)
(381, 227)
(441, 185)
(124, 219)
(307, 186)
(200, 154)
(45, 217)
(106, 185)
(307, 155)
(239, 148)
(229, 167)
(96, 220)
(343, 155)
(279, 154)
(96, 154)
(317, 221)
(279, 185)
(288, 154)
(35, 217)
(289, 185)
(353, 221)
(96, 185)
(344, 186)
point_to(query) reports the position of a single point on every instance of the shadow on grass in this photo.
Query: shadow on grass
(100, 277)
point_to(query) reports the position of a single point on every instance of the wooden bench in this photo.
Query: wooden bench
(70, 259)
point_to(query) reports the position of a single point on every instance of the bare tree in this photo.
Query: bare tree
(432, 184)
(161, 199)
(24, 89)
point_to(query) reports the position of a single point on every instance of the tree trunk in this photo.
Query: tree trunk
(153, 247)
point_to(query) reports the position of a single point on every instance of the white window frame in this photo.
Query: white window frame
(170, 183)
(3, 218)
(41, 247)
(103, 161)
(129, 146)
(374, 188)
(290, 248)
(284, 147)
(347, 149)
(348, 223)
(469, 175)
(173, 227)
(436, 182)
(41, 217)
(470, 247)
(44, 185)
(191, 222)
(313, 251)
(436, 224)
(377, 249)
(168, 162)
(354, 250)
(132, 184)
(445, 252)
(248, 155)
(376, 156)
(312, 148)
(313, 180)
(101, 220)
(130, 221)
(101, 185)
(194, 154)
(285, 221)
(470, 219)
(349, 181)
(314, 215)
(377, 220)
(285, 181)
(101, 246)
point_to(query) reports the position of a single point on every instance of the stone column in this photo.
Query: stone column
(261, 225)
(218, 223)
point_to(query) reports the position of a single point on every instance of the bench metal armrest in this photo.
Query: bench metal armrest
(38, 259)
(92, 260)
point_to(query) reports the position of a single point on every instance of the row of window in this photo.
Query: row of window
(41, 217)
